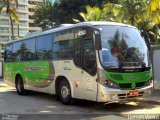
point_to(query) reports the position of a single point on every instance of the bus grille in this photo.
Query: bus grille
(116, 77)
(125, 96)
(128, 85)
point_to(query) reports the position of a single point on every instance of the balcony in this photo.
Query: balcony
(31, 6)
(35, 0)
(4, 34)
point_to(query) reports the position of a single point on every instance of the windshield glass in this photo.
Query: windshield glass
(123, 47)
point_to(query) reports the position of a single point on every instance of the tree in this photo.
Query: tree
(153, 13)
(92, 14)
(10, 7)
(106, 13)
(61, 12)
(43, 15)
(132, 12)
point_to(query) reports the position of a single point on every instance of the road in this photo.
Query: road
(43, 106)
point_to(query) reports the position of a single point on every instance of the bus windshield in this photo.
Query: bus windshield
(123, 47)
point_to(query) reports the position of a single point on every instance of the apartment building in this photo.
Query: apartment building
(5, 30)
(31, 6)
(26, 24)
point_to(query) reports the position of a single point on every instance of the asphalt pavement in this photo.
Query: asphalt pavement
(40, 106)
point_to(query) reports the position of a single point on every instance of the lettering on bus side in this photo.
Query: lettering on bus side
(33, 67)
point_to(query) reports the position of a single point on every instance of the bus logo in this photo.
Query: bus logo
(33, 67)
(133, 85)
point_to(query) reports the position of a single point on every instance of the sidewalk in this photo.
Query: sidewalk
(4, 87)
(155, 96)
(1, 82)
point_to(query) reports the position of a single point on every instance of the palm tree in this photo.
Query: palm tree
(132, 11)
(153, 13)
(10, 7)
(92, 14)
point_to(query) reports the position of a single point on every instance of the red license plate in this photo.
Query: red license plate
(134, 92)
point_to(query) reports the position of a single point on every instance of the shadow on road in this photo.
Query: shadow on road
(47, 104)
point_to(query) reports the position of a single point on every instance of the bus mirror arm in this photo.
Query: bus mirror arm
(146, 38)
(98, 45)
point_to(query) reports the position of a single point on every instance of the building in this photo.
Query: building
(31, 6)
(5, 31)
(26, 24)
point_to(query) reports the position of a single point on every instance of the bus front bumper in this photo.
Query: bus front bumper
(111, 95)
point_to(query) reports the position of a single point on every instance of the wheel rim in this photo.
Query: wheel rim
(19, 85)
(65, 92)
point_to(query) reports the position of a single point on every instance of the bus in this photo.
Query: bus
(96, 61)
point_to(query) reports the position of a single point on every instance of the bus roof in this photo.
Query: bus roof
(67, 26)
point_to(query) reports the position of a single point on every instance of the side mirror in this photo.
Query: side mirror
(98, 45)
(147, 39)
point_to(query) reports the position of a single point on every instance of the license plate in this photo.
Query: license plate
(134, 92)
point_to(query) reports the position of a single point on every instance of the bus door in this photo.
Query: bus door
(89, 75)
(89, 68)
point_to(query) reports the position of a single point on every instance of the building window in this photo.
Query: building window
(4, 30)
(23, 15)
(23, 1)
(24, 8)
(4, 39)
(2, 22)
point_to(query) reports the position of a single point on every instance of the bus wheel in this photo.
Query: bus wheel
(65, 93)
(20, 86)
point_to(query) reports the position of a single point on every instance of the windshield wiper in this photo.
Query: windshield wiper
(132, 53)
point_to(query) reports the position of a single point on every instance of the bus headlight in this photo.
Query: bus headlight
(111, 84)
(149, 82)
(105, 81)
(108, 83)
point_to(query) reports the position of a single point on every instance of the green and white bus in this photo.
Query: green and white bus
(97, 61)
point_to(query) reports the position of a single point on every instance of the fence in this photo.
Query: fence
(155, 56)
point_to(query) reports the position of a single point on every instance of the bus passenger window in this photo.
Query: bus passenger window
(44, 47)
(8, 53)
(28, 47)
(17, 52)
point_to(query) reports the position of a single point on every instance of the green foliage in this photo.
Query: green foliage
(44, 16)
(144, 14)
(92, 14)
(62, 11)
(153, 11)
(9, 6)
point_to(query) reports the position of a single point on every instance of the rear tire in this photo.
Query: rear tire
(20, 86)
(64, 93)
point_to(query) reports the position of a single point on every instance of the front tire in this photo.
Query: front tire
(20, 86)
(65, 93)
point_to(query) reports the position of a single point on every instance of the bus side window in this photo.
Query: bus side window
(77, 53)
(17, 52)
(44, 47)
(8, 53)
(28, 48)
